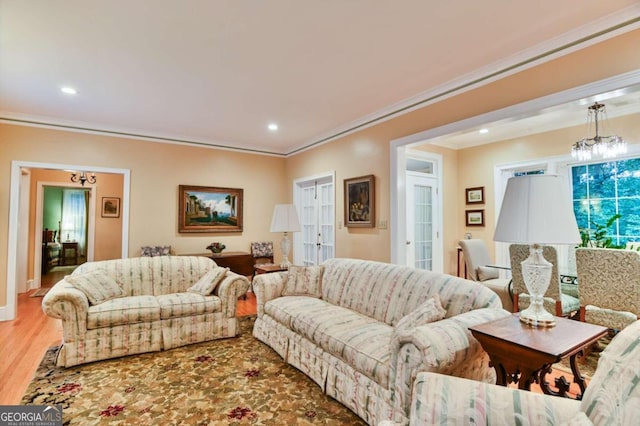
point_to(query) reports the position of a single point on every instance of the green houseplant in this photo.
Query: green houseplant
(597, 236)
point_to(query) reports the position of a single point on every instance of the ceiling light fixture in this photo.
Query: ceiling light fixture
(83, 178)
(69, 90)
(601, 146)
(483, 131)
(273, 127)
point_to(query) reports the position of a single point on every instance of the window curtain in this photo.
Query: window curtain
(74, 217)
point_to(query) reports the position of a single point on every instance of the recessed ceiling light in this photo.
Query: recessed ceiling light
(483, 131)
(273, 127)
(68, 90)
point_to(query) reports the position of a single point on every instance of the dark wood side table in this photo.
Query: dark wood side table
(69, 245)
(267, 268)
(523, 354)
(239, 262)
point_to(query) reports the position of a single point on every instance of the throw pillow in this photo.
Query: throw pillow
(429, 311)
(304, 281)
(487, 273)
(208, 282)
(98, 286)
(152, 251)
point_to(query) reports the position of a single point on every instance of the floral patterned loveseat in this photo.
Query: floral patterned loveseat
(362, 330)
(121, 307)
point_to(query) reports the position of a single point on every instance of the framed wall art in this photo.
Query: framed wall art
(475, 195)
(359, 202)
(110, 207)
(474, 217)
(209, 209)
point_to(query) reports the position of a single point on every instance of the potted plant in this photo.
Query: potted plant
(216, 248)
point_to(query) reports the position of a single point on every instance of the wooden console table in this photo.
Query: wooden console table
(239, 262)
(523, 354)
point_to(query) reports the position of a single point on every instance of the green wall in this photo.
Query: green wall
(52, 207)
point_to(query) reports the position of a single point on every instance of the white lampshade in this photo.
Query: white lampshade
(285, 218)
(537, 209)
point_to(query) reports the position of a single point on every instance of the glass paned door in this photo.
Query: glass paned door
(316, 206)
(421, 229)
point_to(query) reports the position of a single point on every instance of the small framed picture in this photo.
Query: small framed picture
(475, 195)
(359, 202)
(110, 207)
(474, 217)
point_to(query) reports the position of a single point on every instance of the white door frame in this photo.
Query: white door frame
(91, 224)
(23, 234)
(397, 154)
(9, 311)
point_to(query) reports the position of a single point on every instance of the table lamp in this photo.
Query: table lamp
(285, 219)
(536, 210)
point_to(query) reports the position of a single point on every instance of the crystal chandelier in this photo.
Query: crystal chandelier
(600, 146)
(83, 178)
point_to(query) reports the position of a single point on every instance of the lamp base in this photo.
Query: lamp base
(536, 273)
(285, 246)
(537, 319)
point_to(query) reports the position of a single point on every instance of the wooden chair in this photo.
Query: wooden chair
(262, 252)
(555, 302)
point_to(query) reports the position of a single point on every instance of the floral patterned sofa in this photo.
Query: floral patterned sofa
(362, 330)
(121, 307)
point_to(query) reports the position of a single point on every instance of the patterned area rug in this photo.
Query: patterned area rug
(224, 382)
(587, 365)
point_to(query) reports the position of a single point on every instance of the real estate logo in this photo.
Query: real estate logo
(30, 415)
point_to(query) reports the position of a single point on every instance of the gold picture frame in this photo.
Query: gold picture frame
(209, 209)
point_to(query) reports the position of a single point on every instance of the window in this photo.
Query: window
(601, 190)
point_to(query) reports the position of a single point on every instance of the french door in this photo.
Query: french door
(315, 201)
(422, 227)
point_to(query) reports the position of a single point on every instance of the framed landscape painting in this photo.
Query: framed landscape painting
(475, 195)
(209, 209)
(359, 203)
(110, 207)
(475, 217)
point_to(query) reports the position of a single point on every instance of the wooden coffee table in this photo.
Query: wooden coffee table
(267, 268)
(523, 354)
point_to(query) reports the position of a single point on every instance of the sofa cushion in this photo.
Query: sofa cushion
(429, 311)
(487, 273)
(360, 341)
(304, 281)
(97, 286)
(124, 310)
(285, 309)
(187, 304)
(208, 282)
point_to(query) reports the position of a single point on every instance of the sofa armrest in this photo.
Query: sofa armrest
(230, 288)
(441, 399)
(69, 304)
(268, 287)
(445, 347)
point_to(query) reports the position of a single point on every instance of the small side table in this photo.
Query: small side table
(69, 245)
(523, 354)
(267, 268)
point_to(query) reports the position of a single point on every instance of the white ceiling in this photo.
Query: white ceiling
(217, 72)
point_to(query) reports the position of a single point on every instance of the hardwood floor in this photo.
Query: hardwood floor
(26, 339)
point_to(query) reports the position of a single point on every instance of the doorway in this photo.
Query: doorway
(15, 245)
(314, 198)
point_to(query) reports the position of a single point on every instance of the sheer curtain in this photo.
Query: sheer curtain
(74, 217)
